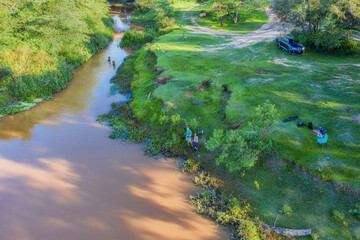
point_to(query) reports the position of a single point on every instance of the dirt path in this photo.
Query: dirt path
(267, 32)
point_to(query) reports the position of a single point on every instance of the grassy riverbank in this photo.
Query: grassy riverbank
(210, 89)
(41, 42)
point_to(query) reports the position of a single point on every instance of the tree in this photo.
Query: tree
(346, 13)
(324, 24)
(220, 9)
(234, 8)
(238, 149)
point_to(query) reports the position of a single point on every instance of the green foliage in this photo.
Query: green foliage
(227, 210)
(314, 236)
(265, 118)
(356, 211)
(239, 149)
(191, 166)
(41, 42)
(257, 185)
(157, 14)
(207, 181)
(234, 7)
(287, 210)
(332, 40)
(337, 215)
(248, 231)
(135, 38)
(323, 25)
(157, 17)
(5, 72)
(125, 74)
(235, 152)
(220, 9)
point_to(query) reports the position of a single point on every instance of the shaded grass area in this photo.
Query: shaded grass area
(273, 183)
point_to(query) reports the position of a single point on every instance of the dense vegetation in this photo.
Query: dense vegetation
(157, 18)
(177, 82)
(324, 25)
(42, 41)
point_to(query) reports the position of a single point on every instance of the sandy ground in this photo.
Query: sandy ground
(267, 32)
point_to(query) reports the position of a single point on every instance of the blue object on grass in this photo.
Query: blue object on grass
(323, 139)
(290, 118)
(323, 130)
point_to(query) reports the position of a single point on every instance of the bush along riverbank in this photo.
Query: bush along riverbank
(41, 42)
(235, 105)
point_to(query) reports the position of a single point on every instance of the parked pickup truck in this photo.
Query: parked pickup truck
(290, 45)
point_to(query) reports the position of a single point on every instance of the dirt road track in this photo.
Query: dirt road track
(267, 32)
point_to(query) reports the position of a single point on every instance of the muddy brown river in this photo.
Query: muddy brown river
(62, 178)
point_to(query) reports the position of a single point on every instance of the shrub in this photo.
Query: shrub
(238, 149)
(135, 38)
(205, 180)
(191, 166)
(314, 236)
(287, 210)
(248, 231)
(338, 215)
(334, 41)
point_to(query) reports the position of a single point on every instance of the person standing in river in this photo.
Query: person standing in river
(188, 136)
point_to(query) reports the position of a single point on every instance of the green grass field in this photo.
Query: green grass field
(219, 88)
(320, 89)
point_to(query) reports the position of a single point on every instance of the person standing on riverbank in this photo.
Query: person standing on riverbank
(188, 136)
(196, 142)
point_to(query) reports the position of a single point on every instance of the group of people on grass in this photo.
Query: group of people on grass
(189, 139)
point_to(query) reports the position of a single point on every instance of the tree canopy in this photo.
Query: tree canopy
(239, 149)
(323, 24)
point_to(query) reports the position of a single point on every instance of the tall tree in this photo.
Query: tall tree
(238, 149)
(220, 9)
(234, 7)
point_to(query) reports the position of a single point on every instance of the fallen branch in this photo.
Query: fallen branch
(285, 231)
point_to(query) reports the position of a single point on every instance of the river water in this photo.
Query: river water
(61, 177)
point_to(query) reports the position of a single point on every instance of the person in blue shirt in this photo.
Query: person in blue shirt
(188, 136)
(322, 137)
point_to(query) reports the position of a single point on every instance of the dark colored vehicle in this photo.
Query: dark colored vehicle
(288, 44)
